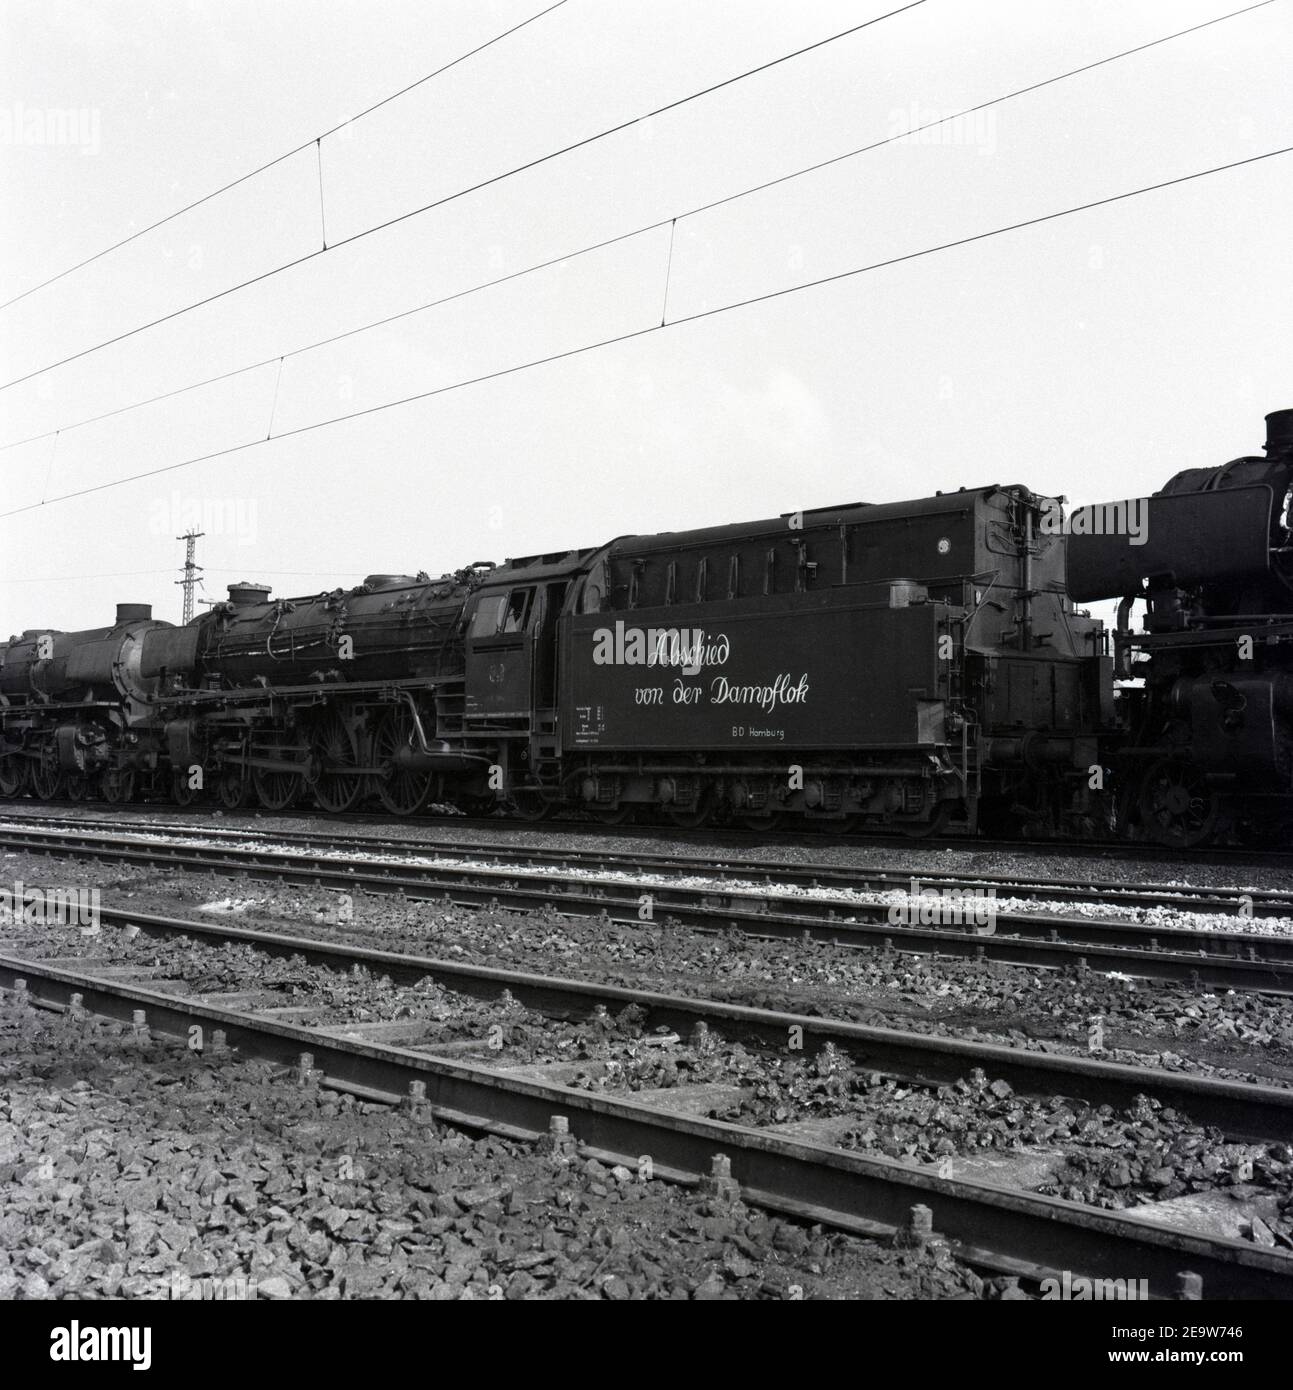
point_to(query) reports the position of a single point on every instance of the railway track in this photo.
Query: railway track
(996, 1227)
(814, 836)
(724, 867)
(1210, 958)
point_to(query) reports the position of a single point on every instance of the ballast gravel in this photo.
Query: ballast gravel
(143, 1171)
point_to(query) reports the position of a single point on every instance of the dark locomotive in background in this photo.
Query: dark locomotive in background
(912, 665)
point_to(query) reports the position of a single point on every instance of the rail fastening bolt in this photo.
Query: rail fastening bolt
(558, 1142)
(719, 1186)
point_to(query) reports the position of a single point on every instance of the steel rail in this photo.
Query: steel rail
(1206, 959)
(814, 834)
(985, 1223)
(1254, 902)
(1242, 1110)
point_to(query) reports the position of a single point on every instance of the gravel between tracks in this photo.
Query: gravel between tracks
(759, 889)
(146, 1171)
(913, 858)
(1246, 1036)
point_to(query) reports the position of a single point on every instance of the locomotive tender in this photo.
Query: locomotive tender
(907, 665)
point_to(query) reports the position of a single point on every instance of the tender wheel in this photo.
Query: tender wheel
(234, 791)
(118, 785)
(693, 817)
(46, 776)
(774, 820)
(935, 825)
(276, 791)
(612, 815)
(335, 789)
(401, 792)
(13, 775)
(1177, 807)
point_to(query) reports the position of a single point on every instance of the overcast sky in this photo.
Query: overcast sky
(1091, 356)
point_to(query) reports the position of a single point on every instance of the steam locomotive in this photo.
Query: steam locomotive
(1204, 745)
(914, 665)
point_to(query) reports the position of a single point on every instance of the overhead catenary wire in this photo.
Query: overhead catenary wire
(658, 328)
(210, 569)
(671, 222)
(459, 193)
(69, 578)
(279, 159)
(323, 207)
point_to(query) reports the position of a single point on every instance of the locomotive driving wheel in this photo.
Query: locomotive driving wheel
(234, 790)
(1177, 806)
(335, 788)
(401, 791)
(46, 775)
(13, 775)
(118, 785)
(181, 793)
(276, 789)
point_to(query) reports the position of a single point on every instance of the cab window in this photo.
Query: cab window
(488, 615)
(518, 605)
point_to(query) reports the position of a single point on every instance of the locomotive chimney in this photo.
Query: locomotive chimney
(134, 612)
(1279, 434)
(244, 593)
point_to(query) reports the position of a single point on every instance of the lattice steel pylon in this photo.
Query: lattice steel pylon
(191, 570)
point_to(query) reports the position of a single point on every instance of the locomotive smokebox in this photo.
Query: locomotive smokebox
(1279, 434)
(134, 612)
(245, 593)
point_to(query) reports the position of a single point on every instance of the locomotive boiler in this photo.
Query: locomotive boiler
(337, 695)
